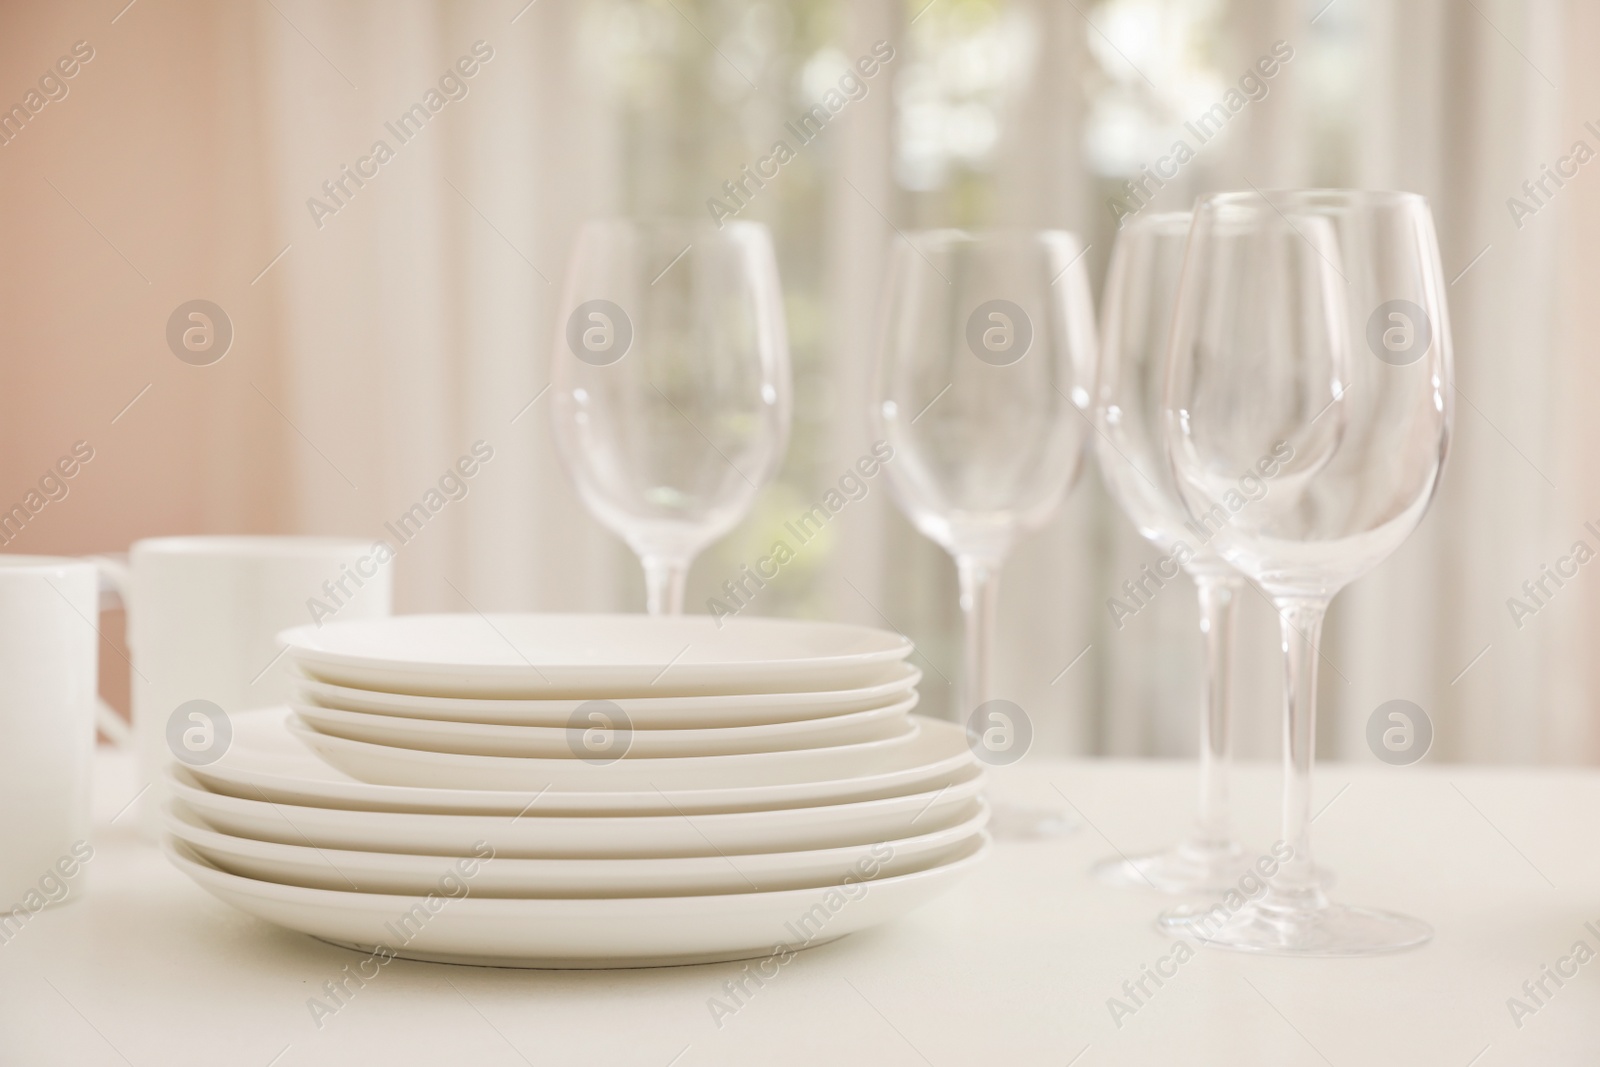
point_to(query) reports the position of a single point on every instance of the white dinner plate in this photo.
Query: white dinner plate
(498, 876)
(593, 656)
(568, 933)
(535, 836)
(553, 742)
(645, 713)
(264, 762)
(387, 765)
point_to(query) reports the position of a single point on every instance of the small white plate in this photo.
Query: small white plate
(387, 765)
(498, 876)
(595, 656)
(625, 932)
(535, 836)
(646, 713)
(264, 762)
(551, 742)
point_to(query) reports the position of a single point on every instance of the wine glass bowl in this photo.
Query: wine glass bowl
(1135, 318)
(988, 351)
(1310, 351)
(1278, 356)
(670, 383)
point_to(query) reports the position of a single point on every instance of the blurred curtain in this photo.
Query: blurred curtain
(417, 317)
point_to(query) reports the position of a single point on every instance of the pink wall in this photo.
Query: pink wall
(153, 147)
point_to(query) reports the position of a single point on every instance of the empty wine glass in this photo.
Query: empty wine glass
(1135, 316)
(671, 388)
(1307, 418)
(982, 381)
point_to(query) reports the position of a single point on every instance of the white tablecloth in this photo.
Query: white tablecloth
(1017, 966)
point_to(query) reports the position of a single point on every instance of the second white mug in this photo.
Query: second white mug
(203, 613)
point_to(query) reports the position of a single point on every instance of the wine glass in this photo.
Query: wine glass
(671, 387)
(982, 380)
(1307, 417)
(1135, 316)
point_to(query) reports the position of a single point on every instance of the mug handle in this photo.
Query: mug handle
(114, 585)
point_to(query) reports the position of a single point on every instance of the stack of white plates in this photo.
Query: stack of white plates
(584, 791)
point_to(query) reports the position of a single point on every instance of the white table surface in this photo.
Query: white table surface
(1014, 967)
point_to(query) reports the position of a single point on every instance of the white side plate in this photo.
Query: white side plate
(388, 765)
(592, 656)
(565, 742)
(646, 713)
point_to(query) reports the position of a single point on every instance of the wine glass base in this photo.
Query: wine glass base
(1028, 822)
(1277, 930)
(1186, 868)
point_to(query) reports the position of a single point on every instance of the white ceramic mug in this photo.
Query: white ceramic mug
(203, 613)
(49, 644)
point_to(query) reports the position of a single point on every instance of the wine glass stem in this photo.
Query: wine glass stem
(1302, 633)
(1219, 598)
(663, 582)
(980, 583)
